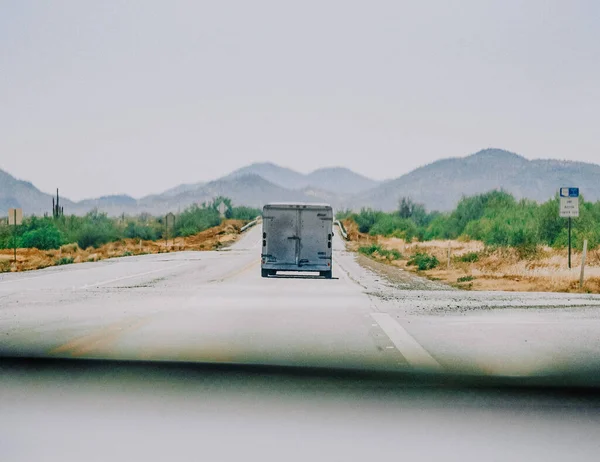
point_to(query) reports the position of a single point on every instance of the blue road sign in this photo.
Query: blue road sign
(569, 192)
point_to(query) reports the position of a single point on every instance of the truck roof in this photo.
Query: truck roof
(297, 205)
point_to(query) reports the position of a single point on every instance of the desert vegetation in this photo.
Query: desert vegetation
(495, 218)
(488, 242)
(63, 239)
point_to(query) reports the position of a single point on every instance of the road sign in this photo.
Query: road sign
(569, 192)
(569, 202)
(15, 216)
(222, 208)
(170, 218)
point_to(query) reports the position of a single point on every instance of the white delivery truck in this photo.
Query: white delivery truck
(297, 237)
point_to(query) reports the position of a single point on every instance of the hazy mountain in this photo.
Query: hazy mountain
(113, 205)
(250, 190)
(281, 176)
(182, 188)
(22, 194)
(441, 184)
(334, 179)
(339, 180)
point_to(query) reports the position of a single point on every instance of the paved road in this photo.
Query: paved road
(214, 306)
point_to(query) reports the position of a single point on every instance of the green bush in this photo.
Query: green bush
(45, 238)
(94, 236)
(376, 248)
(135, 230)
(195, 219)
(394, 254)
(343, 214)
(370, 249)
(465, 279)
(423, 261)
(65, 261)
(390, 225)
(366, 219)
(470, 257)
(245, 213)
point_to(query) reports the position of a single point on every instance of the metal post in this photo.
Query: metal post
(583, 255)
(15, 234)
(569, 242)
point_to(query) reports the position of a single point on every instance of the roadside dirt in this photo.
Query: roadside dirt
(211, 239)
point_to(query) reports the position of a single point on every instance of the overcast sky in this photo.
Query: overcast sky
(104, 97)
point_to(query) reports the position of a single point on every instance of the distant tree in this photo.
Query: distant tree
(407, 208)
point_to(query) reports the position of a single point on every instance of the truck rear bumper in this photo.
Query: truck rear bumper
(288, 267)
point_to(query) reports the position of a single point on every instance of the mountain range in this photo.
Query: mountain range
(439, 186)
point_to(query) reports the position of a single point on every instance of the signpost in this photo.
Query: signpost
(15, 218)
(569, 208)
(169, 220)
(222, 208)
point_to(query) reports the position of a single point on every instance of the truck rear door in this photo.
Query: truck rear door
(282, 236)
(315, 246)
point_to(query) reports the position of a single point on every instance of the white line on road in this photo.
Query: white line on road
(412, 351)
(504, 321)
(97, 284)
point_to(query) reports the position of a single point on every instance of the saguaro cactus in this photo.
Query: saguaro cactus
(57, 210)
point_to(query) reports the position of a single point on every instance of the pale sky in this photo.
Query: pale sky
(105, 97)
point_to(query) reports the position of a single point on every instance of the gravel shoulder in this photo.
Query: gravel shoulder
(399, 278)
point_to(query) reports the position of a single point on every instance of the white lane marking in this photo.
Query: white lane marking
(97, 284)
(412, 351)
(501, 321)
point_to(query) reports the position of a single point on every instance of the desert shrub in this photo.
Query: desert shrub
(135, 230)
(245, 213)
(5, 236)
(392, 225)
(370, 249)
(394, 254)
(366, 219)
(43, 238)
(470, 257)
(465, 279)
(343, 214)
(93, 236)
(4, 266)
(376, 248)
(64, 261)
(95, 229)
(195, 219)
(423, 261)
(69, 248)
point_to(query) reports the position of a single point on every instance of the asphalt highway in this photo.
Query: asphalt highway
(215, 307)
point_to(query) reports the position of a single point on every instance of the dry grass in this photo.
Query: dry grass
(210, 239)
(500, 269)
